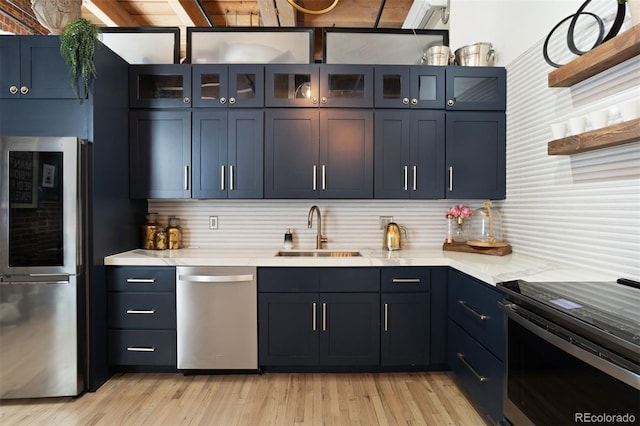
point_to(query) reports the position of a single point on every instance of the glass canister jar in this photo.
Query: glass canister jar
(174, 233)
(149, 231)
(161, 238)
(486, 227)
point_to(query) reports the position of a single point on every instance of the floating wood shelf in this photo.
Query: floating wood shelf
(625, 45)
(617, 134)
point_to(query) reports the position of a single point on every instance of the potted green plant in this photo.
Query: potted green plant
(77, 46)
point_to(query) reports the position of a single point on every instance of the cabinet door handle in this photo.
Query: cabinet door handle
(324, 178)
(315, 179)
(24, 90)
(13, 90)
(231, 185)
(222, 178)
(405, 101)
(324, 317)
(143, 312)
(313, 316)
(232, 100)
(414, 101)
(386, 317)
(141, 280)
(406, 177)
(470, 368)
(141, 349)
(450, 178)
(481, 317)
(186, 178)
(405, 280)
(415, 178)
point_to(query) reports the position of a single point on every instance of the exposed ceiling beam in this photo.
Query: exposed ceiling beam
(268, 13)
(286, 14)
(110, 13)
(189, 13)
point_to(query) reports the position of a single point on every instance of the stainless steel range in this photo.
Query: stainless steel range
(572, 352)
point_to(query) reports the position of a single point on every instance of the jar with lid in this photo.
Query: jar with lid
(486, 227)
(149, 231)
(174, 233)
(160, 238)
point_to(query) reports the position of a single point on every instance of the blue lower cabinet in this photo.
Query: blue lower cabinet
(478, 371)
(405, 329)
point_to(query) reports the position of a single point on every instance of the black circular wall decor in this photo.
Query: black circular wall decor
(613, 31)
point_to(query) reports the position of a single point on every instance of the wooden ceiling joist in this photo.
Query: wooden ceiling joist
(268, 13)
(286, 14)
(189, 13)
(110, 13)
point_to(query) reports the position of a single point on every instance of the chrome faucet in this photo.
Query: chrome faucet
(319, 238)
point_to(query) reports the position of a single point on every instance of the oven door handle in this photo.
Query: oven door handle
(575, 346)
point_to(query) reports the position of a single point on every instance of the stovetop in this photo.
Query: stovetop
(613, 307)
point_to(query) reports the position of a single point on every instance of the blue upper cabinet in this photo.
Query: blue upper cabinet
(476, 88)
(337, 86)
(228, 86)
(160, 86)
(31, 68)
(401, 86)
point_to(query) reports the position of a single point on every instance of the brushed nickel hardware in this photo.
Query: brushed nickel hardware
(450, 102)
(232, 101)
(324, 317)
(405, 101)
(415, 178)
(13, 90)
(24, 90)
(480, 316)
(231, 185)
(450, 178)
(414, 101)
(470, 368)
(386, 317)
(324, 179)
(186, 178)
(141, 349)
(223, 100)
(141, 280)
(405, 280)
(142, 312)
(406, 177)
(222, 177)
(186, 100)
(313, 317)
(315, 170)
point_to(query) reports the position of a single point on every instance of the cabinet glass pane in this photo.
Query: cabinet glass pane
(427, 89)
(391, 86)
(346, 86)
(475, 89)
(152, 86)
(291, 86)
(246, 84)
(210, 86)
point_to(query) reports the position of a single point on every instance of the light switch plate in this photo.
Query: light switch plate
(213, 222)
(384, 220)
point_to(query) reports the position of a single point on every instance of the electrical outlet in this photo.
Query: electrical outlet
(213, 222)
(384, 221)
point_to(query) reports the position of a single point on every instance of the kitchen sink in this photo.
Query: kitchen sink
(318, 253)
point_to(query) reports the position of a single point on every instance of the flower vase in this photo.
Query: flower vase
(460, 231)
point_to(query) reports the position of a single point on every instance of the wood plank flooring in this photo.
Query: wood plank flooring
(364, 399)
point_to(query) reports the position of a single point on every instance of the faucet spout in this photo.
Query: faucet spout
(319, 238)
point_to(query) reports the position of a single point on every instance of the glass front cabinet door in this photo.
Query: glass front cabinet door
(401, 86)
(160, 86)
(228, 86)
(476, 88)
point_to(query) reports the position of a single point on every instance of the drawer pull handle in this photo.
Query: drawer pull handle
(141, 349)
(481, 317)
(406, 280)
(313, 317)
(141, 280)
(386, 317)
(470, 368)
(137, 311)
(324, 317)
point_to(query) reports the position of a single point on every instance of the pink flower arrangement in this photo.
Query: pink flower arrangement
(460, 211)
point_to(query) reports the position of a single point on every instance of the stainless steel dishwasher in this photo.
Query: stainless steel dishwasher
(217, 318)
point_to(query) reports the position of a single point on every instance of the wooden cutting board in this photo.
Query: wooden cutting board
(465, 248)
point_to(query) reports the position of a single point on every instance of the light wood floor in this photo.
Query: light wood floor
(269, 399)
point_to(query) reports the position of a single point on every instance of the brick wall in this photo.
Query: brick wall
(17, 17)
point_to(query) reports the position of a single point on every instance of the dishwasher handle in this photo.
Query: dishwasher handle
(215, 278)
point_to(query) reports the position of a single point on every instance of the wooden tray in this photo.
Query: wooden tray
(465, 248)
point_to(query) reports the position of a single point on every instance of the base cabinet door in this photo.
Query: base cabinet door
(349, 329)
(288, 329)
(405, 329)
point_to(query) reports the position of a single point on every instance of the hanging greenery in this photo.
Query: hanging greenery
(77, 45)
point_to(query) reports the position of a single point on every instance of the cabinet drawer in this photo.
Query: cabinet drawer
(141, 278)
(478, 371)
(405, 279)
(474, 307)
(299, 280)
(338, 280)
(142, 310)
(142, 347)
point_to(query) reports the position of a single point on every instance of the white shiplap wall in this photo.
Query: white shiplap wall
(582, 209)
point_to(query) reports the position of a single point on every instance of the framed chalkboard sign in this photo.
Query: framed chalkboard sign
(23, 179)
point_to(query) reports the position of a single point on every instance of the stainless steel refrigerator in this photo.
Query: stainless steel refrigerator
(42, 301)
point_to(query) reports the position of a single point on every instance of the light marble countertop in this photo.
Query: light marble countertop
(490, 269)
